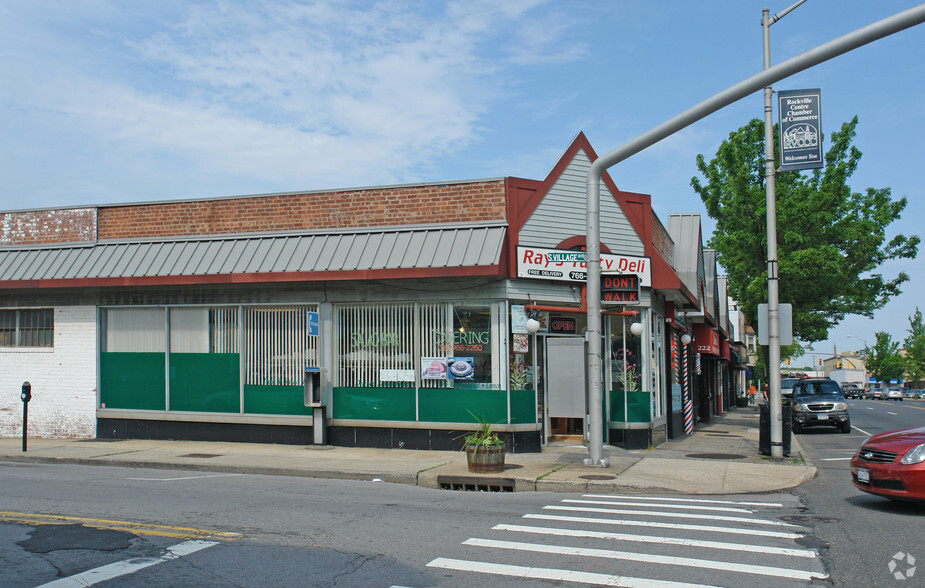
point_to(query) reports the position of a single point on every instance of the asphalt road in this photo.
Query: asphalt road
(133, 527)
(864, 532)
(66, 525)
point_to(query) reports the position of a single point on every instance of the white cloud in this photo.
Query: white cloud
(293, 94)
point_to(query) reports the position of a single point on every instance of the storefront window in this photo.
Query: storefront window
(657, 358)
(418, 361)
(629, 398)
(430, 345)
(375, 344)
(470, 360)
(192, 359)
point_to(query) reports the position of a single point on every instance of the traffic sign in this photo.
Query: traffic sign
(565, 256)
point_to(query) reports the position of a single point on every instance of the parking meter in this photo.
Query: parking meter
(26, 397)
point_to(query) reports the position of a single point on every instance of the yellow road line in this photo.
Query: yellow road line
(139, 528)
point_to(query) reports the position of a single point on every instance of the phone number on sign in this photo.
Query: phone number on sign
(472, 347)
(458, 348)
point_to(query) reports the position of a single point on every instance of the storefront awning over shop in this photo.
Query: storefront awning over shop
(706, 340)
(392, 252)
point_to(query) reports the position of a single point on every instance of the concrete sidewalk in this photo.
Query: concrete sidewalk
(719, 458)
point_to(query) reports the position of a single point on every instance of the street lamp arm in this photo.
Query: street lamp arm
(868, 34)
(784, 13)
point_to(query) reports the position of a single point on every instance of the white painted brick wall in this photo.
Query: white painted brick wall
(63, 380)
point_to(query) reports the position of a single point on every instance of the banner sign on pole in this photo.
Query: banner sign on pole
(800, 114)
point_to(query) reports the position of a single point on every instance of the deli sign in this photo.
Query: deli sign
(534, 263)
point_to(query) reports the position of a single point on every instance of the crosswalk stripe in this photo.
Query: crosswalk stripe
(650, 558)
(660, 525)
(679, 515)
(666, 499)
(681, 506)
(130, 566)
(806, 553)
(535, 573)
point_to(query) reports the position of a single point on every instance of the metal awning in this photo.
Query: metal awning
(429, 249)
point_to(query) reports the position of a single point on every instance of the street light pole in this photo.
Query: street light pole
(872, 32)
(777, 450)
(866, 352)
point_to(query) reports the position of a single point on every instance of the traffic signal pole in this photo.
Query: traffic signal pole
(868, 34)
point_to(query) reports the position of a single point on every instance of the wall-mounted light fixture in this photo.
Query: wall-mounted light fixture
(685, 339)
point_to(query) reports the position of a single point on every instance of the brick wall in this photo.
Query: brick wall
(399, 205)
(63, 380)
(31, 227)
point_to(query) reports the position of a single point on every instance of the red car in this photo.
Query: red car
(892, 465)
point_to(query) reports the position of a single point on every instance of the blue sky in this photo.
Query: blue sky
(112, 101)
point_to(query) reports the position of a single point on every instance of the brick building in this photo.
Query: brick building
(200, 319)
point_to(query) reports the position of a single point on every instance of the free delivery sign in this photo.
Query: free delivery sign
(534, 263)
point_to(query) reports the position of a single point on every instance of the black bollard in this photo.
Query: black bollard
(26, 397)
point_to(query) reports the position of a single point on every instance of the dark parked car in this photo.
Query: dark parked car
(892, 465)
(853, 392)
(819, 402)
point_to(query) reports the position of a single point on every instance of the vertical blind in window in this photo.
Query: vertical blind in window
(382, 344)
(277, 347)
(135, 330)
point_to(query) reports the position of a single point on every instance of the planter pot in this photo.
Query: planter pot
(741, 401)
(485, 458)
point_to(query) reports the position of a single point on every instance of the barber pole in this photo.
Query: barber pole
(686, 393)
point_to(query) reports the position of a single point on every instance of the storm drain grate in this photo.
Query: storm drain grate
(597, 477)
(202, 455)
(473, 484)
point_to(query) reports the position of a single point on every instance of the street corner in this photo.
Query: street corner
(578, 477)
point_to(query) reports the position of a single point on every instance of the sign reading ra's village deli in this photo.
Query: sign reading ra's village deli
(533, 262)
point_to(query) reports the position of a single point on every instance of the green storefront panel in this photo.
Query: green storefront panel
(637, 405)
(205, 382)
(523, 407)
(275, 400)
(459, 405)
(382, 404)
(133, 381)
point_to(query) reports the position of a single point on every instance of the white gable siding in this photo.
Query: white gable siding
(562, 214)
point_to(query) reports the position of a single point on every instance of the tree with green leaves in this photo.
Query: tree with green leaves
(884, 362)
(914, 346)
(831, 241)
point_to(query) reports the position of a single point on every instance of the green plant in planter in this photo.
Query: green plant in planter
(483, 436)
(484, 449)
